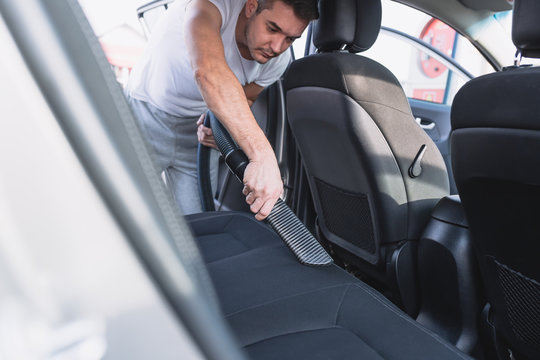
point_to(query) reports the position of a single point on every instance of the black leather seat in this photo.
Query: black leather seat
(280, 309)
(495, 147)
(373, 172)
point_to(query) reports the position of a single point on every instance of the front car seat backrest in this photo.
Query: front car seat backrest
(495, 146)
(358, 138)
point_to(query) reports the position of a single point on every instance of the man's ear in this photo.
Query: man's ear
(251, 8)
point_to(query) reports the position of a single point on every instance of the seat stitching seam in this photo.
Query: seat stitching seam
(238, 238)
(206, 218)
(283, 298)
(245, 252)
(288, 333)
(316, 329)
(410, 320)
(385, 105)
(233, 217)
(228, 223)
(362, 339)
(341, 303)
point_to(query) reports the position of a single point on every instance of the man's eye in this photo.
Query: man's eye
(272, 30)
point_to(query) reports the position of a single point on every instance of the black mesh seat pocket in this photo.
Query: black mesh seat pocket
(347, 215)
(522, 297)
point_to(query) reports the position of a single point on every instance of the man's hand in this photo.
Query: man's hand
(204, 134)
(262, 185)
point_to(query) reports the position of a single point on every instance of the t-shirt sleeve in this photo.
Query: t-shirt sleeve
(224, 7)
(273, 70)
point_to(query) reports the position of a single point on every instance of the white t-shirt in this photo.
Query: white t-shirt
(164, 78)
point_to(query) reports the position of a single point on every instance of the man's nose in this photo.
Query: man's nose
(278, 44)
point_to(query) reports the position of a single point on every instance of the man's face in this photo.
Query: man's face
(271, 32)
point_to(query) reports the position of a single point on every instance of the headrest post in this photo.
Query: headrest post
(517, 58)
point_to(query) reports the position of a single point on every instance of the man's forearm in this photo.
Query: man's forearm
(226, 98)
(262, 179)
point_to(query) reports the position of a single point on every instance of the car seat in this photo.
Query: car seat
(374, 174)
(495, 147)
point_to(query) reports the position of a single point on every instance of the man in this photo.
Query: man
(216, 54)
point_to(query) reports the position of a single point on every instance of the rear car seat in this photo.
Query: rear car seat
(280, 309)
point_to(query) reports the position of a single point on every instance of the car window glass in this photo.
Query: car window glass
(422, 74)
(299, 45)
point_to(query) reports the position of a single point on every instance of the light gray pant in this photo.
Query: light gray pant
(174, 140)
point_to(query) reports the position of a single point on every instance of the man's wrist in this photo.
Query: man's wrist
(261, 153)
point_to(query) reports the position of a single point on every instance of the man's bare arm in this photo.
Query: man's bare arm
(205, 134)
(225, 96)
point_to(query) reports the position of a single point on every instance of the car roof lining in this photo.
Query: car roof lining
(466, 21)
(452, 12)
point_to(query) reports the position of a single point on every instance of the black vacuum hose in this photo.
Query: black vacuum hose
(203, 174)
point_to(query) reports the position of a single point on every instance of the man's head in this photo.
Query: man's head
(303, 9)
(273, 25)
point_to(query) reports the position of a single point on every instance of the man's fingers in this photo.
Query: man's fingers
(265, 210)
(204, 129)
(209, 144)
(262, 186)
(256, 206)
(206, 137)
(207, 131)
(250, 198)
(201, 136)
(201, 119)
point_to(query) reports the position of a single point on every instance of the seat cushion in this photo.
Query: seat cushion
(280, 309)
(250, 265)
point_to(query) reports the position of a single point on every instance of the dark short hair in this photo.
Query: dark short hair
(303, 9)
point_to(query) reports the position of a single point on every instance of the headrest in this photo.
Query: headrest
(351, 25)
(489, 101)
(526, 27)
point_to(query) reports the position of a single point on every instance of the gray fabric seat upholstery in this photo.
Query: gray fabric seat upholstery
(280, 309)
(358, 139)
(495, 145)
